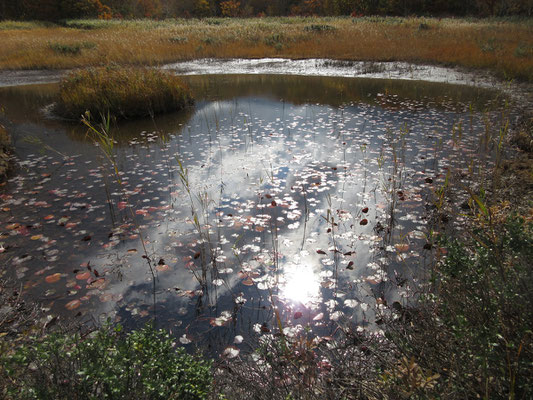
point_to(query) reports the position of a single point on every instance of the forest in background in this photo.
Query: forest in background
(56, 10)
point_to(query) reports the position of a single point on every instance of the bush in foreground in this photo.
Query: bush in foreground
(107, 364)
(475, 331)
(124, 92)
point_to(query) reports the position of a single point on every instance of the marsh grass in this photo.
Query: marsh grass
(501, 46)
(121, 92)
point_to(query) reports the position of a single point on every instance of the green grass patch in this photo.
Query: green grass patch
(319, 28)
(107, 364)
(24, 25)
(124, 92)
(71, 48)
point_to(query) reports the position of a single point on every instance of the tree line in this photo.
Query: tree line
(55, 10)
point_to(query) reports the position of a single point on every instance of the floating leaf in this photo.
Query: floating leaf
(363, 222)
(318, 317)
(162, 268)
(402, 247)
(83, 276)
(71, 305)
(248, 282)
(185, 339)
(231, 352)
(53, 278)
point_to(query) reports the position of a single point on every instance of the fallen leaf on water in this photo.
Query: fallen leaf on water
(83, 276)
(318, 317)
(402, 247)
(248, 282)
(71, 305)
(363, 222)
(231, 352)
(162, 268)
(53, 278)
(184, 339)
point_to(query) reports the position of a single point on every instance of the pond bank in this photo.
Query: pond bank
(521, 92)
(5, 145)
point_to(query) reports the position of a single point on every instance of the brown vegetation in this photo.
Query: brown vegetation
(121, 92)
(500, 46)
(5, 144)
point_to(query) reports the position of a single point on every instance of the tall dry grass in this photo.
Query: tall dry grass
(123, 92)
(504, 47)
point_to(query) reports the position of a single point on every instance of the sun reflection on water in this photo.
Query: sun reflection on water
(301, 284)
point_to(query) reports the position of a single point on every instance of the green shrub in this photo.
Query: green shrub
(317, 28)
(123, 92)
(107, 364)
(475, 329)
(523, 51)
(72, 48)
(178, 39)
(62, 48)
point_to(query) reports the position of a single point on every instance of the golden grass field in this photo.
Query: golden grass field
(504, 47)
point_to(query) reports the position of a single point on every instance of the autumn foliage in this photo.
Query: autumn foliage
(64, 9)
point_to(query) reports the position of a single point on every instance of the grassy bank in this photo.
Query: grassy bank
(504, 47)
(121, 92)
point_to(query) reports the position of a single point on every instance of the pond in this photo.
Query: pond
(276, 203)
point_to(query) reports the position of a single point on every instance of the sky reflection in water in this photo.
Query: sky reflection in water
(297, 195)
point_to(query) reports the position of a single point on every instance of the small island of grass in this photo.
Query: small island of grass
(124, 92)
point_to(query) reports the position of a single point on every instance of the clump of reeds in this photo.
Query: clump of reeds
(124, 92)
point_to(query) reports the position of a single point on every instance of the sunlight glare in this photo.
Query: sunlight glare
(301, 284)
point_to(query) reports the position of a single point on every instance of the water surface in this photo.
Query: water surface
(300, 203)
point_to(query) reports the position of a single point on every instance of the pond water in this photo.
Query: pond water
(300, 204)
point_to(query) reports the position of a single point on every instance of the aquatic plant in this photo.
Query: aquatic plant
(121, 92)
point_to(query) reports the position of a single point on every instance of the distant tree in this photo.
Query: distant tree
(83, 8)
(148, 8)
(230, 8)
(47, 10)
(202, 8)
(11, 9)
